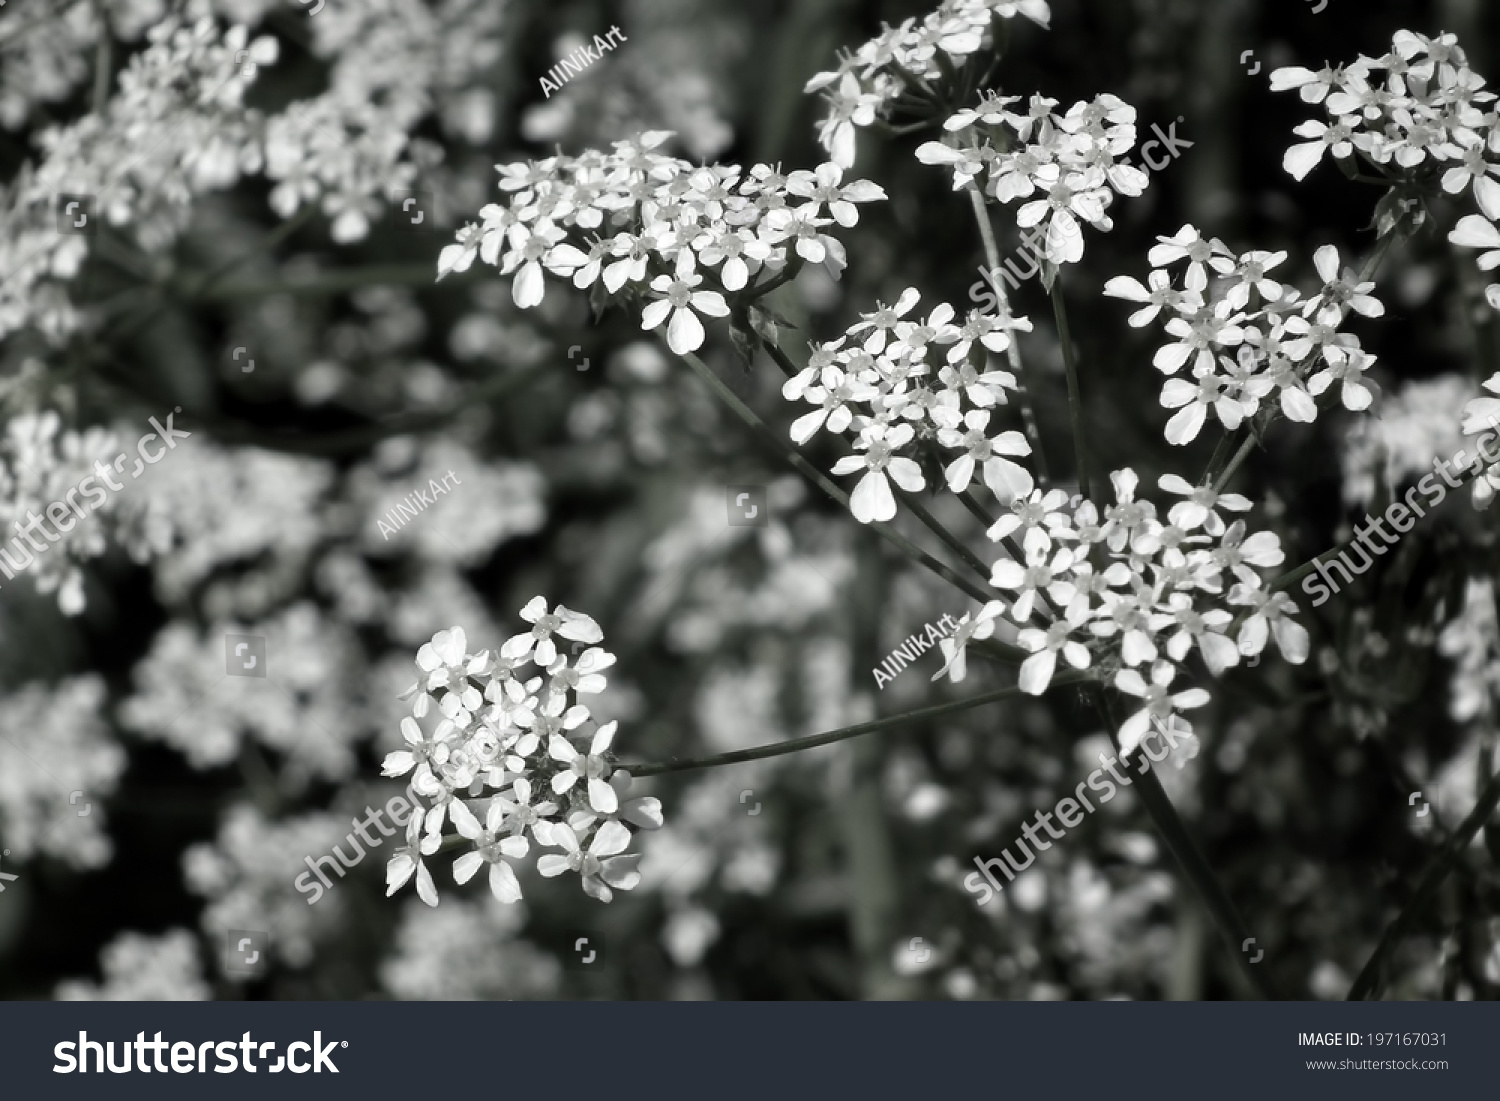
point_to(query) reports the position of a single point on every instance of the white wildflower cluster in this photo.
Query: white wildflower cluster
(300, 709)
(1472, 641)
(499, 730)
(1064, 169)
(483, 505)
(467, 951)
(41, 464)
(1483, 415)
(235, 507)
(176, 127)
(54, 742)
(1246, 336)
(1417, 115)
(408, 56)
(45, 58)
(141, 968)
(873, 81)
(243, 872)
(637, 223)
(1120, 591)
(1416, 422)
(1102, 587)
(350, 148)
(899, 384)
(1418, 110)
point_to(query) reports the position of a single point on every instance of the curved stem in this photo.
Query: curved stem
(794, 745)
(953, 542)
(803, 467)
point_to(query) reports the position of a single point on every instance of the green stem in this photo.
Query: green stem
(795, 745)
(1369, 980)
(1013, 350)
(1075, 396)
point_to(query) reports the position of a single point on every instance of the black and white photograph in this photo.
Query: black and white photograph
(724, 501)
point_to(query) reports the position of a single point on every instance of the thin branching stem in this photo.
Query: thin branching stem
(795, 745)
(1190, 859)
(1370, 979)
(1075, 395)
(1013, 349)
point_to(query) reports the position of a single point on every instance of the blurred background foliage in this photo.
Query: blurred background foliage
(605, 488)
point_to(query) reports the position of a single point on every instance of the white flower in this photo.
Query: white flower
(684, 330)
(872, 499)
(1158, 295)
(1303, 158)
(976, 625)
(573, 626)
(822, 185)
(1159, 705)
(1200, 252)
(1198, 509)
(1482, 412)
(600, 866)
(1037, 670)
(1039, 574)
(1005, 479)
(1271, 616)
(1474, 231)
(491, 848)
(834, 394)
(408, 859)
(591, 768)
(1340, 291)
(1192, 399)
(460, 255)
(530, 249)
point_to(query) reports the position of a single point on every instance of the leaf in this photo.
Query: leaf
(1398, 210)
(746, 342)
(1049, 276)
(766, 321)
